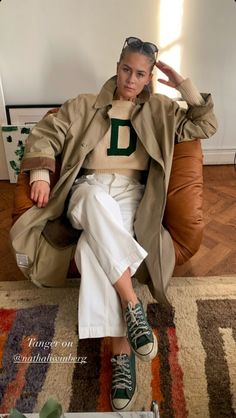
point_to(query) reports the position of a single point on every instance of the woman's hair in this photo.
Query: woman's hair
(130, 48)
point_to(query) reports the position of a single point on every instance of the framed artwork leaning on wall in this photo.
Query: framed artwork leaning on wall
(27, 114)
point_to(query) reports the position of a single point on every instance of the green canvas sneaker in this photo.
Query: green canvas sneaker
(141, 338)
(124, 388)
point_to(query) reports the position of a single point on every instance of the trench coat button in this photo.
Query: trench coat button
(83, 145)
(67, 167)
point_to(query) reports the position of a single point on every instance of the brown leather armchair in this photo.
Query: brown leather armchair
(183, 215)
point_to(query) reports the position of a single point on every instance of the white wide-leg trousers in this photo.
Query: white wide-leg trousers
(104, 206)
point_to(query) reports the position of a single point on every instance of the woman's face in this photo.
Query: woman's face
(133, 73)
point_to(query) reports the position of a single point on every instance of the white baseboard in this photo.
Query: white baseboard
(218, 156)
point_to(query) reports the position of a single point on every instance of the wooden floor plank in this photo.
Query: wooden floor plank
(225, 234)
(216, 256)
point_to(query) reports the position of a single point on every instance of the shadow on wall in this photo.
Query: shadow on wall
(68, 75)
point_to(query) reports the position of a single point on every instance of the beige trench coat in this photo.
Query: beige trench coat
(73, 132)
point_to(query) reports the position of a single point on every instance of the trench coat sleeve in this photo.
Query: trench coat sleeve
(47, 138)
(198, 121)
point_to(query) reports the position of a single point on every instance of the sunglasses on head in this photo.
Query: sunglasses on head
(136, 43)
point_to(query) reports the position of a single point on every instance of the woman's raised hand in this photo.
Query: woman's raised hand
(174, 79)
(39, 193)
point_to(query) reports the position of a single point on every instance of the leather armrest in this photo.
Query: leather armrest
(183, 213)
(22, 201)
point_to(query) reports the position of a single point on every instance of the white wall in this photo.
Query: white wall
(51, 50)
(209, 34)
(54, 49)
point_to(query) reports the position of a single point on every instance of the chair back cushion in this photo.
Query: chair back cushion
(183, 213)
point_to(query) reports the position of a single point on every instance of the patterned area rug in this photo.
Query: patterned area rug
(194, 374)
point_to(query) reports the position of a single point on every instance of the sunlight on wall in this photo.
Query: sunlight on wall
(169, 34)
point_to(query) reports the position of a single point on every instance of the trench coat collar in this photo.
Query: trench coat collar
(107, 91)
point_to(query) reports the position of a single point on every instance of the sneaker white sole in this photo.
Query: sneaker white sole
(130, 404)
(151, 355)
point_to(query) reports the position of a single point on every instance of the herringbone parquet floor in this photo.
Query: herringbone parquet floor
(217, 254)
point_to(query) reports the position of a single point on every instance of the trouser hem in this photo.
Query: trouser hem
(100, 332)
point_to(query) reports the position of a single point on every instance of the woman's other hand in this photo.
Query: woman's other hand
(174, 79)
(39, 193)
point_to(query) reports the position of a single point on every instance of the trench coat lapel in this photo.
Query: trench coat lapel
(88, 141)
(144, 129)
(95, 131)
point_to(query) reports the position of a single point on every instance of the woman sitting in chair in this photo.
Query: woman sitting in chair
(116, 150)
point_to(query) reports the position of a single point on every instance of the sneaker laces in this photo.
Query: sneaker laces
(121, 377)
(136, 322)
